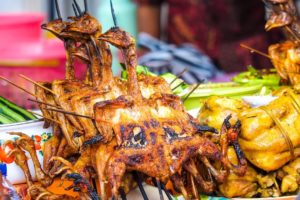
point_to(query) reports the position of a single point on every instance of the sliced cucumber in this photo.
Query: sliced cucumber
(11, 113)
(5, 120)
(206, 90)
(21, 111)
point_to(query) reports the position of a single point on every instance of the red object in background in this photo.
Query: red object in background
(23, 50)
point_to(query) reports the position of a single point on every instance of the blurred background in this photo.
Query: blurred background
(172, 35)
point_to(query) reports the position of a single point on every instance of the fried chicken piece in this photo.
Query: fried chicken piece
(216, 109)
(26, 143)
(151, 84)
(291, 181)
(46, 97)
(150, 137)
(270, 135)
(20, 160)
(239, 186)
(50, 149)
(285, 58)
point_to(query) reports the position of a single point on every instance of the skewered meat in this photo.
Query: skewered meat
(239, 186)
(285, 55)
(270, 136)
(26, 143)
(120, 126)
(267, 144)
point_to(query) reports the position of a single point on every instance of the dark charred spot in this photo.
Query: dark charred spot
(66, 90)
(170, 133)
(86, 98)
(123, 129)
(94, 140)
(146, 124)
(226, 121)
(238, 151)
(135, 159)
(136, 138)
(175, 152)
(131, 126)
(161, 155)
(192, 149)
(154, 123)
(153, 138)
(201, 129)
(76, 134)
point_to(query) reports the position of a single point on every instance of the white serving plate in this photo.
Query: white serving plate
(153, 194)
(35, 130)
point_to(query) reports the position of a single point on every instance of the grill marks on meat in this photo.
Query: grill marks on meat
(155, 139)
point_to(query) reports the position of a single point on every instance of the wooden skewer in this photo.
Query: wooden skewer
(179, 75)
(48, 104)
(36, 83)
(293, 33)
(85, 6)
(256, 51)
(48, 118)
(261, 53)
(68, 113)
(78, 7)
(75, 11)
(57, 10)
(177, 86)
(191, 92)
(1, 77)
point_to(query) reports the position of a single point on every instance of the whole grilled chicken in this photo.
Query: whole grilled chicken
(270, 135)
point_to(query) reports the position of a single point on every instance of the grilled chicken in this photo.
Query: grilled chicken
(285, 55)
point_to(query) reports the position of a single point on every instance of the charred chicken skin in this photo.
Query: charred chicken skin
(285, 55)
(109, 127)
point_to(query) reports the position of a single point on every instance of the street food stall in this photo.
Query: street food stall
(142, 135)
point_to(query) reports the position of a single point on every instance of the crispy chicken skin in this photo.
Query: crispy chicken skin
(285, 55)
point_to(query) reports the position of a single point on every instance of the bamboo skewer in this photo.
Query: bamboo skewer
(86, 10)
(57, 10)
(256, 51)
(252, 50)
(75, 11)
(1, 77)
(78, 7)
(179, 75)
(68, 113)
(292, 33)
(191, 92)
(262, 54)
(177, 86)
(47, 104)
(48, 118)
(36, 83)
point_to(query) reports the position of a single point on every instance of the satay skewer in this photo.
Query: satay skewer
(86, 10)
(47, 104)
(179, 75)
(177, 86)
(78, 7)
(17, 86)
(68, 113)
(75, 11)
(48, 118)
(36, 83)
(57, 10)
(191, 92)
(256, 51)
(252, 50)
